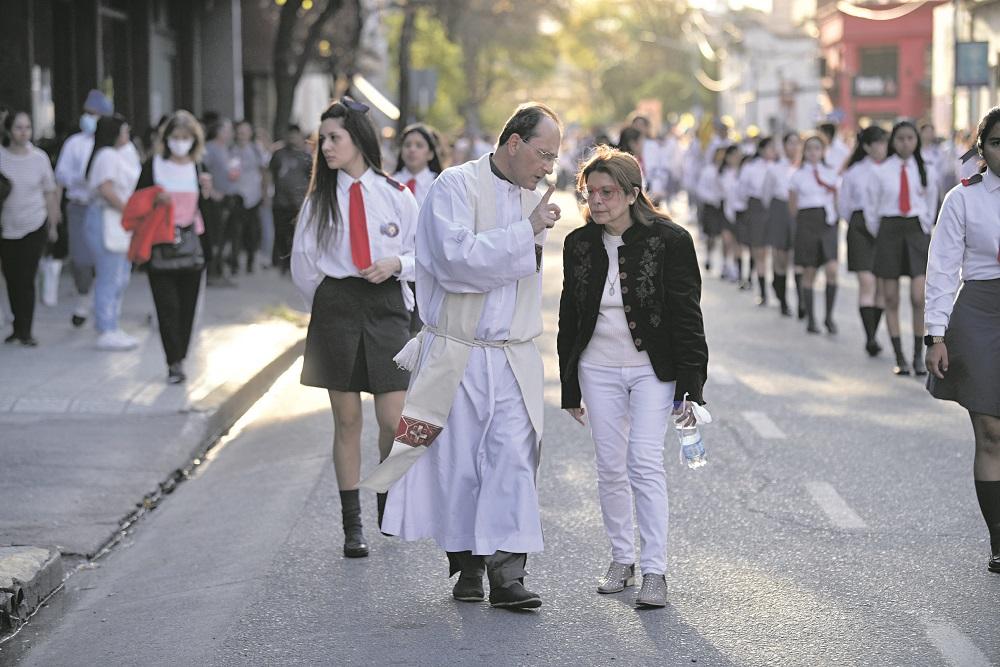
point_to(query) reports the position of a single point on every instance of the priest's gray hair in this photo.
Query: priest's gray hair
(525, 120)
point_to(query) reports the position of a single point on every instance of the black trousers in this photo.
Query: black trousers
(175, 294)
(19, 260)
(242, 232)
(215, 215)
(284, 230)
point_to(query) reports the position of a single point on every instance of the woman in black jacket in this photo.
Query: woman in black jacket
(631, 346)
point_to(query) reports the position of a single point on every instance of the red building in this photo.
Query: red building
(877, 59)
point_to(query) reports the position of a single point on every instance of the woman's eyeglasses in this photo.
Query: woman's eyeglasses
(605, 194)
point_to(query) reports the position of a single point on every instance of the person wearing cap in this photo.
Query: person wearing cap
(70, 174)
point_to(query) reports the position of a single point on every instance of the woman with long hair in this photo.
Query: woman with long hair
(780, 225)
(710, 216)
(963, 334)
(631, 344)
(732, 207)
(812, 202)
(870, 149)
(903, 205)
(112, 176)
(352, 258)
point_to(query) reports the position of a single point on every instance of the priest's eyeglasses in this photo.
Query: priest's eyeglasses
(546, 157)
(605, 194)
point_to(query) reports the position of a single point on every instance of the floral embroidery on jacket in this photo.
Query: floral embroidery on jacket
(581, 272)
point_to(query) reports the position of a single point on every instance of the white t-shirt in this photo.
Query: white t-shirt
(30, 177)
(118, 168)
(611, 343)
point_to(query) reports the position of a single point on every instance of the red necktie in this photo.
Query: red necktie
(826, 186)
(412, 184)
(360, 252)
(904, 191)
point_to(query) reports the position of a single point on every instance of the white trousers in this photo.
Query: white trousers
(629, 411)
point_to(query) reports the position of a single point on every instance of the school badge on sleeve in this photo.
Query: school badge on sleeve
(390, 229)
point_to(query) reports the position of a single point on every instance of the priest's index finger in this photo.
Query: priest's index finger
(548, 193)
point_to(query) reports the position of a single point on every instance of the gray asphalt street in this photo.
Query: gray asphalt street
(836, 524)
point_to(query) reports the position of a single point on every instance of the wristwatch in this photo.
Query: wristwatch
(931, 340)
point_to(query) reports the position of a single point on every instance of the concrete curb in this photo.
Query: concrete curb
(29, 574)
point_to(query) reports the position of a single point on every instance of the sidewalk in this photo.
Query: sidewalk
(87, 437)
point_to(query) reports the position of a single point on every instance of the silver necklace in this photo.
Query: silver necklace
(611, 284)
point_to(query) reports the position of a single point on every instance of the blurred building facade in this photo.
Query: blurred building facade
(771, 65)
(149, 56)
(960, 98)
(877, 60)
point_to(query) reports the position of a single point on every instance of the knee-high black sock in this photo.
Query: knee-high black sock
(762, 284)
(739, 267)
(779, 284)
(868, 321)
(918, 347)
(799, 295)
(831, 298)
(989, 503)
(753, 267)
(877, 319)
(897, 347)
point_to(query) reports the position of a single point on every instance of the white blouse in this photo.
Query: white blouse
(965, 246)
(884, 194)
(732, 202)
(853, 194)
(779, 173)
(810, 193)
(391, 217)
(752, 176)
(117, 167)
(707, 187)
(423, 182)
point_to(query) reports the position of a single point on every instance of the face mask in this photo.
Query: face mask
(88, 123)
(180, 147)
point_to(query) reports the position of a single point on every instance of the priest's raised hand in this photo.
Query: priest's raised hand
(545, 214)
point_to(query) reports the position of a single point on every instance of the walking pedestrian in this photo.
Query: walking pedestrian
(112, 176)
(711, 218)
(352, 256)
(71, 174)
(247, 165)
(812, 201)
(219, 209)
(870, 149)
(418, 165)
(903, 198)
(732, 207)
(175, 271)
(28, 221)
(752, 177)
(290, 167)
(780, 224)
(473, 413)
(631, 344)
(963, 334)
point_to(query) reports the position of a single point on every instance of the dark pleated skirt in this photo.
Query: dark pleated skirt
(901, 248)
(860, 244)
(712, 219)
(743, 227)
(757, 222)
(355, 330)
(780, 226)
(973, 342)
(815, 241)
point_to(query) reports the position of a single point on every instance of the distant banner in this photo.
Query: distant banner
(972, 64)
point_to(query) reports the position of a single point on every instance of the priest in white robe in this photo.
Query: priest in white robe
(478, 267)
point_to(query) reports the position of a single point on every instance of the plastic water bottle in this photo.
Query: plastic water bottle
(692, 452)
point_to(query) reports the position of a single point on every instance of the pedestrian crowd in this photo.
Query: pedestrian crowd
(424, 286)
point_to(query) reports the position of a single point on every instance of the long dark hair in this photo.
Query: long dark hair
(322, 193)
(729, 150)
(433, 140)
(628, 135)
(106, 135)
(762, 145)
(624, 170)
(866, 137)
(991, 118)
(916, 153)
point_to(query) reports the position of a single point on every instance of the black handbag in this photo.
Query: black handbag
(184, 254)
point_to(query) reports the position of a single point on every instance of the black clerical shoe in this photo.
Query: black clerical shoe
(514, 596)
(469, 588)
(873, 348)
(919, 369)
(994, 563)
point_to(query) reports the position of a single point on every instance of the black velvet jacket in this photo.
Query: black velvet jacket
(661, 290)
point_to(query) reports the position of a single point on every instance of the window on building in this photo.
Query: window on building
(878, 72)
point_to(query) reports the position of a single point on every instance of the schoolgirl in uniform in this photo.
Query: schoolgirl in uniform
(420, 159)
(352, 256)
(852, 199)
(780, 225)
(711, 217)
(729, 185)
(903, 198)
(418, 165)
(963, 334)
(752, 176)
(812, 201)
(740, 205)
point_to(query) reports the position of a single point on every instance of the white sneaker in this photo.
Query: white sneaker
(116, 340)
